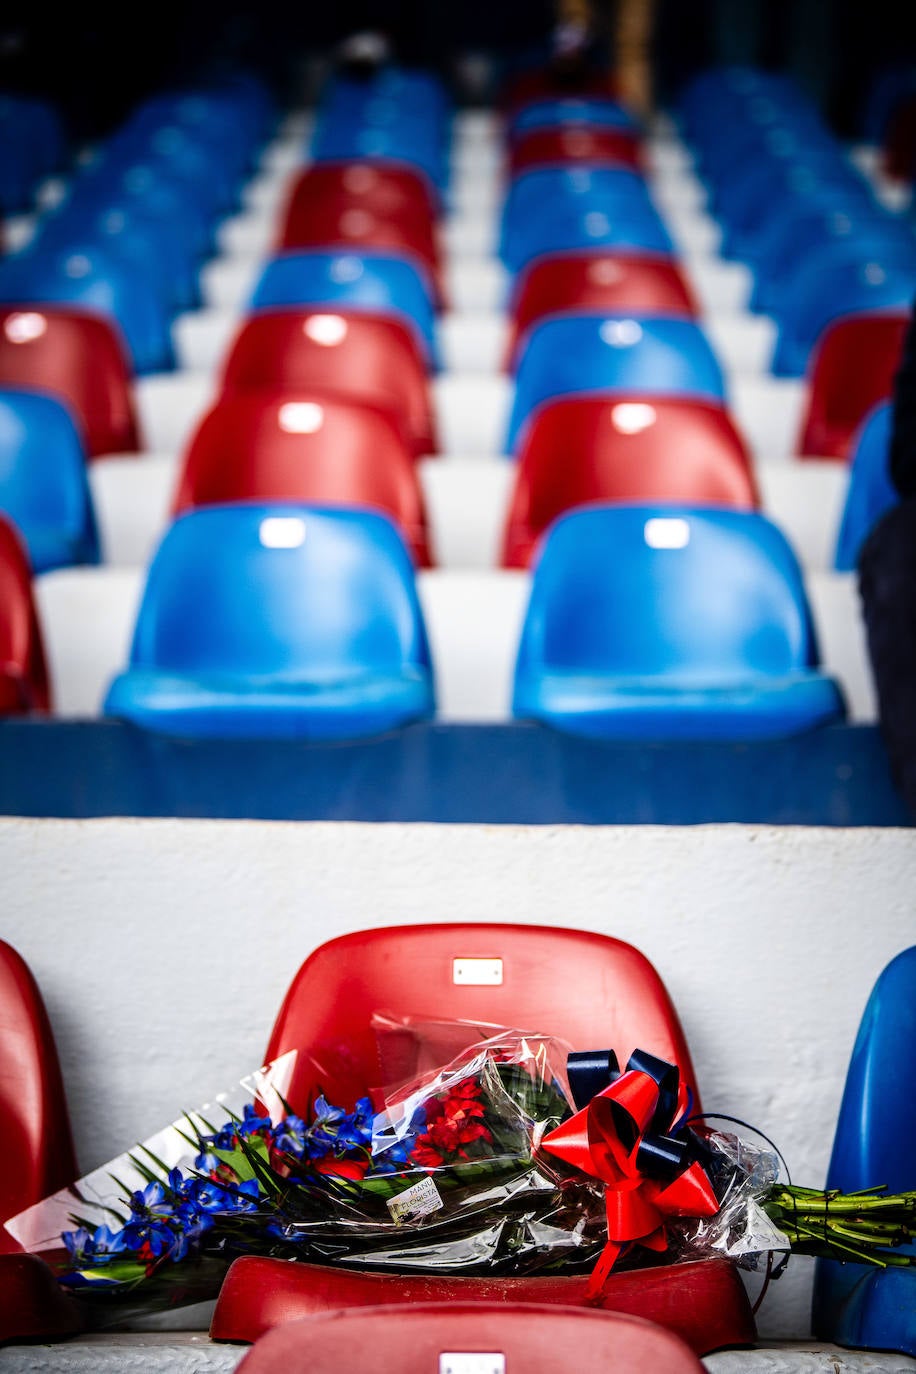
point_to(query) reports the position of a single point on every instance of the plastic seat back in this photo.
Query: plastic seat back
(582, 450)
(79, 358)
(350, 228)
(575, 143)
(572, 283)
(387, 190)
(870, 491)
(852, 369)
(550, 209)
(279, 620)
(434, 1337)
(553, 113)
(610, 355)
(23, 670)
(856, 1304)
(376, 282)
(588, 989)
(362, 356)
(832, 289)
(43, 485)
(660, 621)
(38, 1153)
(86, 278)
(307, 448)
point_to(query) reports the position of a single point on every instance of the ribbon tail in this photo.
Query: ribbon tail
(602, 1270)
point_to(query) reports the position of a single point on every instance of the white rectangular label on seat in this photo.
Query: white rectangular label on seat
(471, 1362)
(478, 972)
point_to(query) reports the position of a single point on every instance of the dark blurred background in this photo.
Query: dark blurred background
(96, 62)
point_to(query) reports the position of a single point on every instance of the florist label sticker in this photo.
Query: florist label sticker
(416, 1202)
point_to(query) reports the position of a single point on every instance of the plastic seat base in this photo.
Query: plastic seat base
(703, 1302)
(32, 1306)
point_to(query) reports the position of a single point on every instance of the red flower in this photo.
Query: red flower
(341, 1168)
(452, 1120)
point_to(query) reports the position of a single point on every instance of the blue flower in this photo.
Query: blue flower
(92, 1248)
(291, 1136)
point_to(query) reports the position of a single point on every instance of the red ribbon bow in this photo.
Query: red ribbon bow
(603, 1140)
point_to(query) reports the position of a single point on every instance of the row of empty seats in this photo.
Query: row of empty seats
(651, 427)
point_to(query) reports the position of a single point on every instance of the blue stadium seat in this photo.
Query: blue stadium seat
(567, 196)
(84, 275)
(870, 491)
(855, 1304)
(553, 112)
(150, 243)
(577, 226)
(277, 621)
(43, 486)
(31, 148)
(841, 281)
(659, 622)
(358, 281)
(795, 238)
(153, 190)
(178, 155)
(653, 355)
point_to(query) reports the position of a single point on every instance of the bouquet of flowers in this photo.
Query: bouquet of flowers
(514, 1158)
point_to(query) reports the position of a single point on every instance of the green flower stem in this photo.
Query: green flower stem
(867, 1226)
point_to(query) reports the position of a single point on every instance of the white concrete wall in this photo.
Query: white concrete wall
(164, 947)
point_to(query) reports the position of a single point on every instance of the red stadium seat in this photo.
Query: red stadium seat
(555, 981)
(340, 224)
(591, 990)
(443, 1336)
(80, 358)
(384, 205)
(641, 449)
(851, 370)
(703, 1301)
(553, 82)
(566, 283)
(575, 143)
(387, 189)
(38, 1156)
(23, 671)
(361, 356)
(305, 447)
(37, 1145)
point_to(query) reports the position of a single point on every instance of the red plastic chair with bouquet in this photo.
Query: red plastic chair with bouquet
(639, 449)
(24, 683)
(490, 1337)
(80, 358)
(588, 989)
(564, 283)
(358, 355)
(38, 1153)
(573, 143)
(852, 368)
(307, 447)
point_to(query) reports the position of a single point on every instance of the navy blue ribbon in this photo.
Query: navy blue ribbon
(661, 1154)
